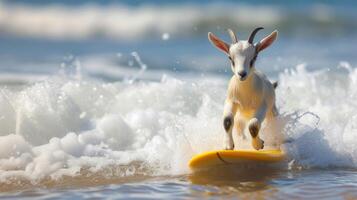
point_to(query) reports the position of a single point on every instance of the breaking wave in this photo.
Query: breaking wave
(123, 22)
(68, 126)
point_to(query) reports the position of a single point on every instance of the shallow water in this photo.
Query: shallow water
(249, 184)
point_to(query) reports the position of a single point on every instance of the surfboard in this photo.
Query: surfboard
(235, 157)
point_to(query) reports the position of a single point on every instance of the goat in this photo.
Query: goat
(251, 96)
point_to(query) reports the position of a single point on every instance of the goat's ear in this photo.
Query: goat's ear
(220, 44)
(267, 41)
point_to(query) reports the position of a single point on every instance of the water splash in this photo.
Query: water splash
(154, 128)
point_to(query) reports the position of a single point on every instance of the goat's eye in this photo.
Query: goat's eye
(230, 58)
(253, 61)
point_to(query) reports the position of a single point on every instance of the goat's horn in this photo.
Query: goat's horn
(252, 35)
(232, 35)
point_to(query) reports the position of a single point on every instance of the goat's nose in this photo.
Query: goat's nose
(242, 74)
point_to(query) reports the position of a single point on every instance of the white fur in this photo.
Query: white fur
(241, 52)
(251, 98)
(250, 102)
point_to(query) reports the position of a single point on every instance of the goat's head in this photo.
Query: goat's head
(242, 53)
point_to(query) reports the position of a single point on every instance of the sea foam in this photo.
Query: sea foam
(63, 126)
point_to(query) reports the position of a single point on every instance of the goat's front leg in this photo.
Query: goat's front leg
(254, 126)
(228, 120)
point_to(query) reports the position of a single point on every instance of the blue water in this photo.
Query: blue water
(337, 184)
(156, 2)
(110, 99)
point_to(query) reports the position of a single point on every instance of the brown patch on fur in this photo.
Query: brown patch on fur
(253, 131)
(227, 123)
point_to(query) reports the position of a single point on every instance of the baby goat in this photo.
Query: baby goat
(251, 96)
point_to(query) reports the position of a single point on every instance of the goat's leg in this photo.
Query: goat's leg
(239, 124)
(254, 127)
(228, 123)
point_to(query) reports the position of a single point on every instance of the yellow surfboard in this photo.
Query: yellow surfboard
(229, 157)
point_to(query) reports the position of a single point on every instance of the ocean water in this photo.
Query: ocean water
(111, 99)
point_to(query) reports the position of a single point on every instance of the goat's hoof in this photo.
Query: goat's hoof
(229, 147)
(258, 144)
(254, 128)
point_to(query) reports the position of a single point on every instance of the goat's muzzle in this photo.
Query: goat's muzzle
(242, 75)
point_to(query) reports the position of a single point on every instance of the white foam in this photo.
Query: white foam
(130, 23)
(118, 21)
(62, 125)
(165, 36)
(327, 100)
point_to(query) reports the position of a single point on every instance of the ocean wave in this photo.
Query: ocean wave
(326, 132)
(130, 23)
(73, 126)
